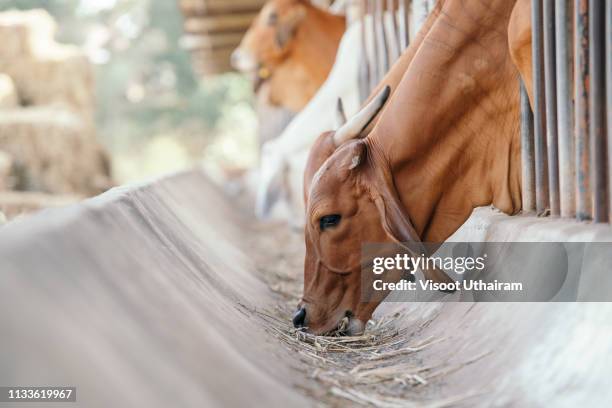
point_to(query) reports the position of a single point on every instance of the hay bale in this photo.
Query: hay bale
(54, 151)
(15, 39)
(26, 33)
(6, 171)
(44, 71)
(8, 93)
(66, 79)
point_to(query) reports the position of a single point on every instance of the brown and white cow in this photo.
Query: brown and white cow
(446, 142)
(292, 44)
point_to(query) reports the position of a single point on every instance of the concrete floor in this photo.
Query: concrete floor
(148, 296)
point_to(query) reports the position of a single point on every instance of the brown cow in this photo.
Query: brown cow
(446, 143)
(292, 44)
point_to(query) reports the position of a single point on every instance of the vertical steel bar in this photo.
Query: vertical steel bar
(567, 188)
(541, 168)
(381, 38)
(550, 88)
(373, 55)
(365, 74)
(609, 99)
(407, 13)
(404, 26)
(394, 47)
(419, 12)
(375, 44)
(581, 100)
(528, 178)
(597, 102)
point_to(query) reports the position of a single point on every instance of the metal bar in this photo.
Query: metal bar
(527, 157)
(419, 12)
(404, 25)
(564, 109)
(365, 73)
(372, 57)
(395, 50)
(609, 99)
(597, 101)
(581, 98)
(541, 168)
(551, 106)
(381, 38)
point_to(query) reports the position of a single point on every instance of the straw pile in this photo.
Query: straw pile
(44, 72)
(6, 171)
(382, 368)
(53, 151)
(47, 135)
(8, 93)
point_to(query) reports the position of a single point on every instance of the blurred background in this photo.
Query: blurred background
(96, 93)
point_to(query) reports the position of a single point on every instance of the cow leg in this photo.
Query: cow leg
(519, 41)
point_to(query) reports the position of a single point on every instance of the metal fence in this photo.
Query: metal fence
(566, 138)
(386, 35)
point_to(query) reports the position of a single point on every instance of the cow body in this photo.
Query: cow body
(284, 159)
(292, 45)
(446, 143)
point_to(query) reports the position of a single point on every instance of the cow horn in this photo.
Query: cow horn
(340, 115)
(361, 120)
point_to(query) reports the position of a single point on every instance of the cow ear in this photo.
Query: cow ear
(398, 227)
(356, 156)
(288, 25)
(396, 223)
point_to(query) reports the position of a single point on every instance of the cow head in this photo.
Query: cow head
(351, 200)
(267, 42)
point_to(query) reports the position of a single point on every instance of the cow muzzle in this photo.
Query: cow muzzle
(299, 318)
(348, 325)
(243, 61)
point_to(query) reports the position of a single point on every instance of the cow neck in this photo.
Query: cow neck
(450, 134)
(317, 41)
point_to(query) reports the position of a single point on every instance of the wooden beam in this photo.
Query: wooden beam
(211, 41)
(209, 7)
(229, 22)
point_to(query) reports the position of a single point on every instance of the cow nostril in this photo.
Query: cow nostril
(299, 318)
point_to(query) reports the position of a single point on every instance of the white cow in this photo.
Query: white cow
(284, 159)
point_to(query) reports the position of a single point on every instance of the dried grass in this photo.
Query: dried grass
(53, 151)
(44, 72)
(372, 369)
(391, 364)
(8, 92)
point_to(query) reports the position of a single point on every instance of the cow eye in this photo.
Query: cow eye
(272, 18)
(329, 221)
